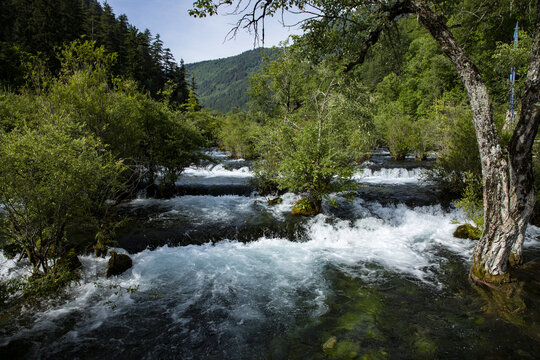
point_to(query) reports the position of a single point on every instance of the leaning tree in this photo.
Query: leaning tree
(348, 28)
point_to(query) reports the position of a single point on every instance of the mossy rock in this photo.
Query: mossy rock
(307, 207)
(467, 231)
(69, 261)
(118, 263)
(275, 201)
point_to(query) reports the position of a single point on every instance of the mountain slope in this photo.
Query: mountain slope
(222, 84)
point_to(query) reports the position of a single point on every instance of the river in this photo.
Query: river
(220, 274)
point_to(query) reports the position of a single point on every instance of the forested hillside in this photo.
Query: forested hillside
(222, 84)
(32, 30)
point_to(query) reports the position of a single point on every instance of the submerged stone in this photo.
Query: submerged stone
(330, 343)
(118, 263)
(467, 231)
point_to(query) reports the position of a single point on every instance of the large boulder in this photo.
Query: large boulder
(118, 263)
(467, 231)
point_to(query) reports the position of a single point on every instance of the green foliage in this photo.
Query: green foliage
(60, 154)
(132, 125)
(222, 84)
(239, 135)
(8, 289)
(503, 59)
(47, 285)
(32, 31)
(281, 88)
(312, 147)
(48, 178)
(397, 130)
(458, 152)
(17, 111)
(471, 201)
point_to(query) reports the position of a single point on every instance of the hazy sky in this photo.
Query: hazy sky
(194, 39)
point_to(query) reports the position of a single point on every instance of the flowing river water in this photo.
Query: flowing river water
(220, 274)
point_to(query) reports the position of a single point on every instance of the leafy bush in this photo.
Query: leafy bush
(471, 201)
(50, 177)
(239, 135)
(313, 149)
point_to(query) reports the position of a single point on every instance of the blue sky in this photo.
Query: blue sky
(194, 39)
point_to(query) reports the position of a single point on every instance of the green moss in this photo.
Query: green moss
(479, 274)
(372, 332)
(479, 320)
(467, 231)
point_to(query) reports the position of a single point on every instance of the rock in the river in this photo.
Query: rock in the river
(275, 201)
(118, 263)
(467, 231)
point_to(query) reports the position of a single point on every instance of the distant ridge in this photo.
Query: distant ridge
(222, 83)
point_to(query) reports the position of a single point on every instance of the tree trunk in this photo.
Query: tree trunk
(523, 195)
(508, 185)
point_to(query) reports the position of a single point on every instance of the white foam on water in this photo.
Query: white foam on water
(390, 176)
(532, 237)
(202, 209)
(11, 269)
(229, 290)
(214, 175)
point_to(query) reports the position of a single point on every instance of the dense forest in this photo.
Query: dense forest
(222, 84)
(241, 178)
(32, 31)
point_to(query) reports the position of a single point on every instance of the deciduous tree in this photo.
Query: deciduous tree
(347, 29)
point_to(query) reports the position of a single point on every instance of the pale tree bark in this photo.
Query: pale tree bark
(523, 195)
(508, 184)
